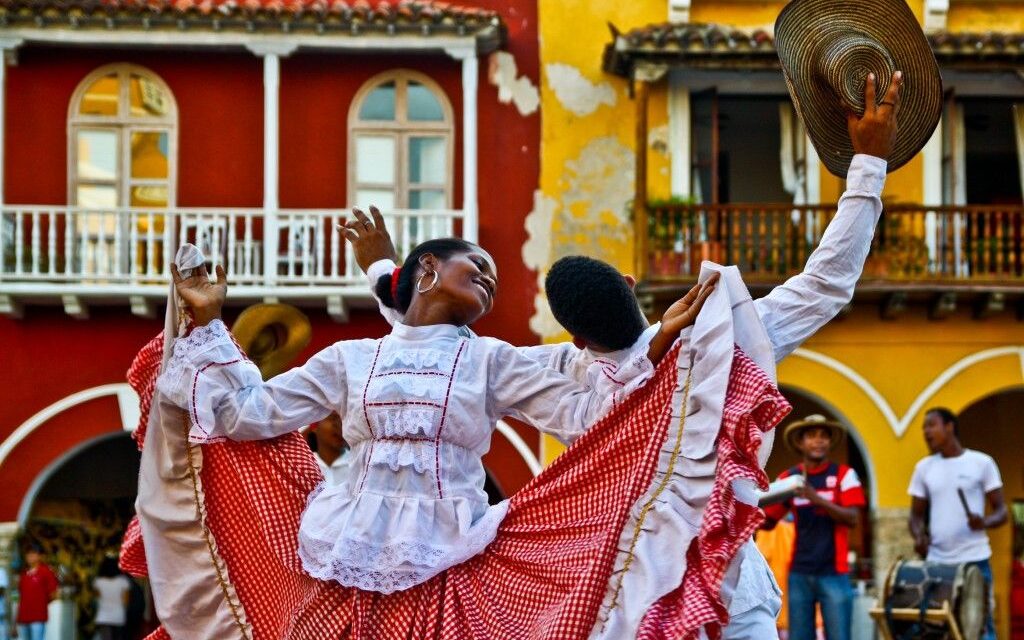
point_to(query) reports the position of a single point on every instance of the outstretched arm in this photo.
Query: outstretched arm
(795, 310)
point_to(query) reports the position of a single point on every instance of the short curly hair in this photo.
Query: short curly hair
(593, 301)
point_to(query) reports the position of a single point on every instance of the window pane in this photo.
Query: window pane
(423, 104)
(147, 98)
(96, 196)
(97, 154)
(427, 160)
(148, 196)
(101, 98)
(380, 198)
(427, 199)
(149, 154)
(379, 104)
(375, 159)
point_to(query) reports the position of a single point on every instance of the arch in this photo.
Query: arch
(520, 446)
(394, 135)
(127, 400)
(121, 127)
(851, 430)
(25, 510)
(899, 425)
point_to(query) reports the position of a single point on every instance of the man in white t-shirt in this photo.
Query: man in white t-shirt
(950, 489)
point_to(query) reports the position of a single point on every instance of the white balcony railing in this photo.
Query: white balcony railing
(112, 253)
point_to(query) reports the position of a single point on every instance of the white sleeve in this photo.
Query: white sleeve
(523, 389)
(991, 480)
(380, 268)
(225, 395)
(794, 310)
(917, 488)
(557, 357)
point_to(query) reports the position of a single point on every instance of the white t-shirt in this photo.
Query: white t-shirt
(335, 472)
(110, 606)
(937, 479)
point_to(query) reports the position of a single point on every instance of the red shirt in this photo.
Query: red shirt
(821, 543)
(35, 589)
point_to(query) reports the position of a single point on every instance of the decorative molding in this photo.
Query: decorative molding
(10, 307)
(126, 400)
(521, 447)
(678, 10)
(935, 13)
(279, 48)
(74, 307)
(142, 307)
(337, 309)
(899, 425)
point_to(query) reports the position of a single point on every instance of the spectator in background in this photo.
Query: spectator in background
(331, 450)
(36, 588)
(825, 508)
(949, 491)
(5, 598)
(112, 588)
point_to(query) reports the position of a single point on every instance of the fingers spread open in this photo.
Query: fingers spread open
(378, 219)
(361, 216)
(222, 276)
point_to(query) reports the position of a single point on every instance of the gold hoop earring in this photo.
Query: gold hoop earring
(433, 283)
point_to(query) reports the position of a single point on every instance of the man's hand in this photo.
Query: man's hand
(921, 544)
(680, 315)
(204, 299)
(809, 493)
(975, 522)
(370, 240)
(874, 133)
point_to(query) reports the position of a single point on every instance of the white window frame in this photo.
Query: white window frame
(125, 125)
(401, 129)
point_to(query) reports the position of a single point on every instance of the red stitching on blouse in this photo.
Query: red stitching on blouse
(402, 403)
(403, 439)
(444, 414)
(366, 414)
(409, 373)
(195, 385)
(609, 376)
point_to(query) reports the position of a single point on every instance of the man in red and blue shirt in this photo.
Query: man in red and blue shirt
(824, 509)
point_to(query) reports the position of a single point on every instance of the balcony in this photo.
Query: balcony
(77, 257)
(933, 255)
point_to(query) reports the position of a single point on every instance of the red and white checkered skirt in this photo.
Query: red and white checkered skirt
(544, 576)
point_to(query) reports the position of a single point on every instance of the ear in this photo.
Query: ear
(630, 280)
(429, 262)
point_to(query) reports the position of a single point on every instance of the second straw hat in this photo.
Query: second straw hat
(828, 47)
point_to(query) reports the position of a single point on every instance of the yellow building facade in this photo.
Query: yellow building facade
(667, 138)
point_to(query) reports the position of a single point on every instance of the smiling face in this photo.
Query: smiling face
(815, 443)
(467, 284)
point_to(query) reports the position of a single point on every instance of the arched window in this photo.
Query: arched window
(122, 140)
(400, 143)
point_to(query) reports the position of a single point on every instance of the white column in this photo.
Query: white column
(7, 47)
(470, 179)
(931, 177)
(271, 54)
(679, 137)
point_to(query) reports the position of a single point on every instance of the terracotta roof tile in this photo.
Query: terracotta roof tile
(700, 44)
(420, 17)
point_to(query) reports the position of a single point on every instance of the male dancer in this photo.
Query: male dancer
(582, 293)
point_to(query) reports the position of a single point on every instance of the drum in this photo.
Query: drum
(950, 598)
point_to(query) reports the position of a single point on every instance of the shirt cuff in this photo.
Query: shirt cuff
(382, 267)
(866, 174)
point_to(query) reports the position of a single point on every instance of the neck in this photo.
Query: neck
(812, 464)
(952, 449)
(328, 454)
(422, 315)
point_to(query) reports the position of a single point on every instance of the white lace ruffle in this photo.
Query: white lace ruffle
(176, 379)
(405, 422)
(410, 386)
(416, 360)
(399, 543)
(420, 456)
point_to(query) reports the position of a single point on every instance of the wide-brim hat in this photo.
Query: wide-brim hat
(272, 335)
(828, 47)
(815, 421)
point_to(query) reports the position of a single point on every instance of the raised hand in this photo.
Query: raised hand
(370, 240)
(680, 315)
(874, 133)
(203, 299)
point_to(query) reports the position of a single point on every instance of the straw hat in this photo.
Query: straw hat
(828, 47)
(272, 335)
(796, 429)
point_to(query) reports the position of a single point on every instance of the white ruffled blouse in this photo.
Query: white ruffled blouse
(418, 407)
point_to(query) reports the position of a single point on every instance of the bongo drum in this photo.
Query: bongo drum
(932, 601)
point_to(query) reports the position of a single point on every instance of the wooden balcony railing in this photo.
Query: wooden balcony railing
(769, 242)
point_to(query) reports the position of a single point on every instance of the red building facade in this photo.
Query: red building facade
(129, 128)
